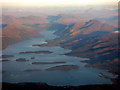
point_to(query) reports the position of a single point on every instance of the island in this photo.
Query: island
(85, 61)
(2, 71)
(48, 62)
(63, 68)
(37, 52)
(29, 70)
(21, 60)
(6, 56)
(4, 60)
(38, 45)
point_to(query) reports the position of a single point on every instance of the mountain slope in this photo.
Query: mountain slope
(18, 29)
(86, 28)
(93, 39)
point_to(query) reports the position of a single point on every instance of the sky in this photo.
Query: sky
(43, 3)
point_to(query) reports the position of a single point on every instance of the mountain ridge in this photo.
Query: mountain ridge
(100, 43)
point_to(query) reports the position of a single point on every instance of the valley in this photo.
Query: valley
(93, 39)
(62, 47)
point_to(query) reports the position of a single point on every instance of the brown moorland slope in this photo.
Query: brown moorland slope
(93, 39)
(17, 29)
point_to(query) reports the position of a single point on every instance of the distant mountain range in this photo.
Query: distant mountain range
(52, 18)
(113, 20)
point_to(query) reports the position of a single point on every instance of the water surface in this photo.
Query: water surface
(15, 70)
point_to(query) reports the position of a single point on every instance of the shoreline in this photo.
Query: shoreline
(44, 86)
(3, 48)
(49, 85)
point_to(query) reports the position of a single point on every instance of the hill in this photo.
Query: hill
(93, 39)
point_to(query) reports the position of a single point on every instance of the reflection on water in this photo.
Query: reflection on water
(15, 70)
